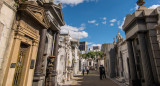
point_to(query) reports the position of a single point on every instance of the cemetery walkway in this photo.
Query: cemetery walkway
(91, 80)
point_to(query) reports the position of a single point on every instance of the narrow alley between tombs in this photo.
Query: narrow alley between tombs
(92, 79)
(77, 42)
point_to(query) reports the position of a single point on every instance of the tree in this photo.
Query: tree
(92, 55)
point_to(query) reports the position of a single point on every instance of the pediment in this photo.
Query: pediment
(58, 11)
(36, 12)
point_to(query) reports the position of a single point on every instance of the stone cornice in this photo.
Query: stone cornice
(141, 13)
(28, 30)
(36, 12)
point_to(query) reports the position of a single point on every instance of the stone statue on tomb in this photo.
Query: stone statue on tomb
(119, 37)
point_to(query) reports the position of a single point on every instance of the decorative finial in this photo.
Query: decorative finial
(140, 2)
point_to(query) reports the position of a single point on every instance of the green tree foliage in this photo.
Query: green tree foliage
(92, 55)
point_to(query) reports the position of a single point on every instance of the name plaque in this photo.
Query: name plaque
(32, 64)
(13, 65)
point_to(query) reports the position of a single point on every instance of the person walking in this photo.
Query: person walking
(101, 71)
(87, 70)
(83, 70)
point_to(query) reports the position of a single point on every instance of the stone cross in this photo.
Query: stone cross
(140, 2)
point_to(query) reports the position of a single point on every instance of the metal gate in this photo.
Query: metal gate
(19, 65)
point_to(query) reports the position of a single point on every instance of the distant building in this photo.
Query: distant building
(96, 48)
(83, 46)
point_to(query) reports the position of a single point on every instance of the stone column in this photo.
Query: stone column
(40, 53)
(52, 63)
(132, 66)
(55, 53)
(33, 58)
(147, 70)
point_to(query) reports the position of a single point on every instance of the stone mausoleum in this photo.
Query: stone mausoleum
(142, 36)
(29, 33)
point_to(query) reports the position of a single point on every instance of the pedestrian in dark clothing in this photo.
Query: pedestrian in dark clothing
(102, 72)
(83, 70)
(87, 70)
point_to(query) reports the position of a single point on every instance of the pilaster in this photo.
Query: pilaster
(38, 72)
(132, 66)
(148, 76)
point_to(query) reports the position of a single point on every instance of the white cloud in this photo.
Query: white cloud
(113, 20)
(104, 22)
(73, 2)
(69, 2)
(83, 26)
(104, 18)
(97, 24)
(120, 26)
(131, 9)
(136, 7)
(89, 43)
(154, 6)
(91, 0)
(74, 31)
(118, 23)
(111, 24)
(92, 21)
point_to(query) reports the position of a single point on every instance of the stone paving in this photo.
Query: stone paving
(90, 80)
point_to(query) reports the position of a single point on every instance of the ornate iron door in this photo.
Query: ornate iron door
(19, 66)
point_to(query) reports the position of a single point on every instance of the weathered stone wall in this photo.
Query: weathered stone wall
(124, 56)
(156, 53)
(109, 62)
(61, 62)
(6, 34)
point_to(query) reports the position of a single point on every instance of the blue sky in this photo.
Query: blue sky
(97, 21)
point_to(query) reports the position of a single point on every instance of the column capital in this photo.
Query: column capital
(18, 35)
(35, 43)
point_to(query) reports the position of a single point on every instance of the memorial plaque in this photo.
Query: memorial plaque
(13, 65)
(32, 64)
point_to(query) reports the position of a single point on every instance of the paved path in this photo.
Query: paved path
(91, 80)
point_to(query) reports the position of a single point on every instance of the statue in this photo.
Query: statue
(119, 37)
(140, 2)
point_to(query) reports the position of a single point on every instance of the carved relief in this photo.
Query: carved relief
(36, 12)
